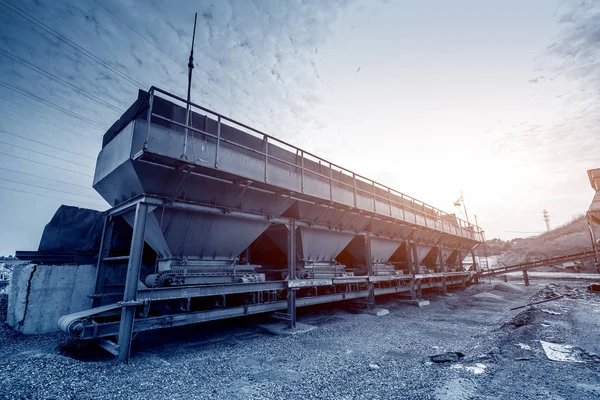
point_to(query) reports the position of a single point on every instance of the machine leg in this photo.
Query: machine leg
(291, 307)
(131, 282)
(526, 277)
(291, 294)
(369, 263)
(371, 298)
(594, 245)
(444, 287)
(415, 259)
(475, 268)
(107, 232)
(409, 257)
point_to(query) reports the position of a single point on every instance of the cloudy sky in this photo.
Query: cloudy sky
(497, 98)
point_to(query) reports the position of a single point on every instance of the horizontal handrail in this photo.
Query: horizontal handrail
(434, 212)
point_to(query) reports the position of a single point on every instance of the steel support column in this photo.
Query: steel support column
(415, 259)
(291, 273)
(475, 268)
(409, 257)
(441, 260)
(526, 277)
(107, 232)
(369, 263)
(594, 245)
(131, 282)
(291, 307)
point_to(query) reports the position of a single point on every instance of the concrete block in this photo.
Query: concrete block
(416, 302)
(281, 328)
(40, 294)
(378, 312)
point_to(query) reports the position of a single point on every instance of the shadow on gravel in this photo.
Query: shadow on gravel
(82, 350)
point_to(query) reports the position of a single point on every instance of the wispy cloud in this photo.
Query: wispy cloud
(255, 61)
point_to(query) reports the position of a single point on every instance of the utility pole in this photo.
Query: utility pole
(461, 202)
(546, 215)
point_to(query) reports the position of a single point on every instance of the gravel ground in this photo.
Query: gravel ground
(350, 355)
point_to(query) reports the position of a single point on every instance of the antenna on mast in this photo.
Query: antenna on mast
(188, 107)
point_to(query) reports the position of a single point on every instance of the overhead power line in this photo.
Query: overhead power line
(47, 188)
(50, 197)
(59, 80)
(47, 165)
(46, 144)
(88, 54)
(50, 104)
(206, 85)
(46, 178)
(47, 120)
(46, 154)
(139, 34)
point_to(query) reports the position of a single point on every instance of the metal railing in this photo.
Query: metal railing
(415, 206)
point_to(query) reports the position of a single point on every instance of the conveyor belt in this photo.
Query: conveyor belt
(537, 263)
(75, 323)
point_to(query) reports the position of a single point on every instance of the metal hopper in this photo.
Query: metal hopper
(316, 250)
(381, 251)
(201, 245)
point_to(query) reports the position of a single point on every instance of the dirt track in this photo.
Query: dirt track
(349, 356)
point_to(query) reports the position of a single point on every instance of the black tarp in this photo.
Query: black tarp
(73, 230)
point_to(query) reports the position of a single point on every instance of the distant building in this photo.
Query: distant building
(4, 272)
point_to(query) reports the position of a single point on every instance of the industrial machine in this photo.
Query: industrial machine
(593, 215)
(226, 221)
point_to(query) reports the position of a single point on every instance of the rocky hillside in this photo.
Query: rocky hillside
(573, 237)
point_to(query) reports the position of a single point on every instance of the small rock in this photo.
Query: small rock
(451, 356)
(374, 367)
(594, 288)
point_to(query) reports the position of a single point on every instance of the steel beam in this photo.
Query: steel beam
(184, 292)
(131, 282)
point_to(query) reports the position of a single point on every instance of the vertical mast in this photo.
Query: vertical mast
(188, 108)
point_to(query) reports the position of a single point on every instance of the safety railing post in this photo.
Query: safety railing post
(330, 182)
(354, 187)
(218, 141)
(149, 117)
(266, 140)
(301, 171)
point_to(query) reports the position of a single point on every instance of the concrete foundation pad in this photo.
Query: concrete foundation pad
(378, 312)
(416, 302)
(281, 328)
(40, 294)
